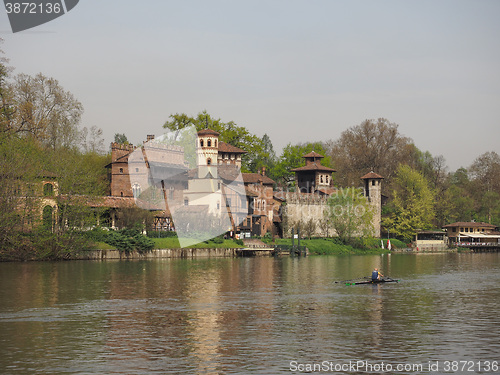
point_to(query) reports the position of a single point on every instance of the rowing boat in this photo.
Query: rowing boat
(373, 282)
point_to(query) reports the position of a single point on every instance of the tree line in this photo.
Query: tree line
(40, 133)
(419, 191)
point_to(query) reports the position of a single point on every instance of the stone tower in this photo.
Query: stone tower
(373, 191)
(207, 150)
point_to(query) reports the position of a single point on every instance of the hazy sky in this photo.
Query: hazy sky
(296, 70)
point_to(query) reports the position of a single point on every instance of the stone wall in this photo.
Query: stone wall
(158, 254)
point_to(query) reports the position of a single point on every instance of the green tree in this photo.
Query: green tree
(257, 149)
(350, 214)
(120, 138)
(412, 207)
(292, 157)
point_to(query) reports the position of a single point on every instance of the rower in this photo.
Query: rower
(376, 275)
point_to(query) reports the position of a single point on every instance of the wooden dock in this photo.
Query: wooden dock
(481, 247)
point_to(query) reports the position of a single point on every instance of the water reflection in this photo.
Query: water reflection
(215, 316)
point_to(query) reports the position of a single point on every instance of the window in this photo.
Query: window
(201, 142)
(209, 161)
(137, 169)
(136, 190)
(326, 178)
(215, 143)
(466, 230)
(228, 202)
(263, 205)
(373, 183)
(186, 202)
(121, 193)
(209, 143)
(48, 190)
(218, 205)
(121, 170)
(321, 178)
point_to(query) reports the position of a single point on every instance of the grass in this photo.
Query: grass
(173, 243)
(331, 246)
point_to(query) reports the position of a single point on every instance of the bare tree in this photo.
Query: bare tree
(46, 111)
(374, 145)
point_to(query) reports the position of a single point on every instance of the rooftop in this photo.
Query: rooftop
(208, 132)
(372, 176)
(226, 147)
(313, 167)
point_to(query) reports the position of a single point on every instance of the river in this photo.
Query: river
(252, 315)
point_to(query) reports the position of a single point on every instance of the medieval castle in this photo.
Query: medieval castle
(254, 207)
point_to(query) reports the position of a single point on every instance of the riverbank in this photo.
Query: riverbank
(169, 248)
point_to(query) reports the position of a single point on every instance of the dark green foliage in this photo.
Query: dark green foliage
(161, 234)
(126, 240)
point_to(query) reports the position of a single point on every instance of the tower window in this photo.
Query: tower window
(209, 161)
(136, 190)
(121, 170)
(373, 183)
(215, 143)
(209, 143)
(201, 142)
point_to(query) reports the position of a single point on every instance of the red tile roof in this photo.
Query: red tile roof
(226, 147)
(313, 154)
(372, 176)
(255, 178)
(207, 132)
(314, 167)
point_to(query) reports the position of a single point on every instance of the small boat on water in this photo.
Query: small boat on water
(384, 280)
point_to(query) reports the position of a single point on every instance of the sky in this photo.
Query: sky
(297, 70)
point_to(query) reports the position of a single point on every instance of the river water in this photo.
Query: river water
(252, 315)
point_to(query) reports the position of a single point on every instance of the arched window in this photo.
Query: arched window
(321, 178)
(209, 161)
(121, 193)
(201, 142)
(121, 170)
(216, 143)
(136, 190)
(47, 217)
(48, 190)
(263, 205)
(209, 143)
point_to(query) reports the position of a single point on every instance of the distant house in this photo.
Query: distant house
(472, 232)
(430, 240)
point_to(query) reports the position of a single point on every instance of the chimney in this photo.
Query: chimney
(263, 171)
